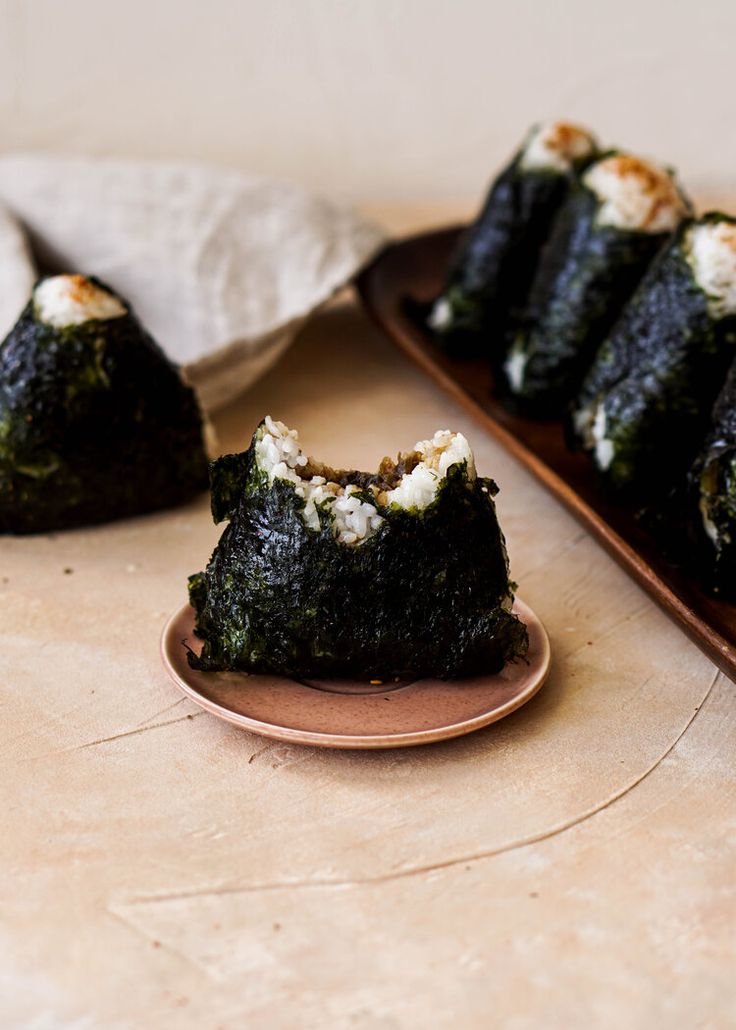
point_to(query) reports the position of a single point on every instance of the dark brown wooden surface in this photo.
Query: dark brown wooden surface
(414, 268)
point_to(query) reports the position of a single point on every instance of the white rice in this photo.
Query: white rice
(603, 449)
(441, 314)
(635, 194)
(708, 524)
(711, 251)
(515, 365)
(555, 146)
(355, 520)
(590, 424)
(417, 488)
(63, 300)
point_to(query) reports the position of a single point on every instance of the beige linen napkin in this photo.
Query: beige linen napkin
(17, 271)
(221, 267)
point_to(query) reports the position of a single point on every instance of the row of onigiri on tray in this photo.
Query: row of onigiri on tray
(599, 298)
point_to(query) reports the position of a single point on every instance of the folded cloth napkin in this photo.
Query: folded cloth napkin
(221, 267)
(17, 271)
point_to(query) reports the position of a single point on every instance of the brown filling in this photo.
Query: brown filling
(388, 476)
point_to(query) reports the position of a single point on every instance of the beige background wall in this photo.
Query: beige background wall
(369, 99)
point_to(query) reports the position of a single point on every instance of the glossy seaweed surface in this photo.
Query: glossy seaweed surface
(95, 424)
(494, 264)
(657, 377)
(712, 492)
(421, 597)
(586, 274)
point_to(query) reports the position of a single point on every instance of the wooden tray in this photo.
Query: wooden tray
(414, 268)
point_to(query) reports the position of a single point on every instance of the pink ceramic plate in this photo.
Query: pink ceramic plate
(352, 714)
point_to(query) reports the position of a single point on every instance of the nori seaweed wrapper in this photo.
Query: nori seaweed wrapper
(654, 382)
(426, 595)
(711, 498)
(95, 424)
(492, 268)
(586, 274)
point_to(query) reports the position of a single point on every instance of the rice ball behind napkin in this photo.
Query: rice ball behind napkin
(222, 267)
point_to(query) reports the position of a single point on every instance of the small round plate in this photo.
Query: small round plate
(350, 713)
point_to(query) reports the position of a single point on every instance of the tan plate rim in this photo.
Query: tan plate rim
(538, 671)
